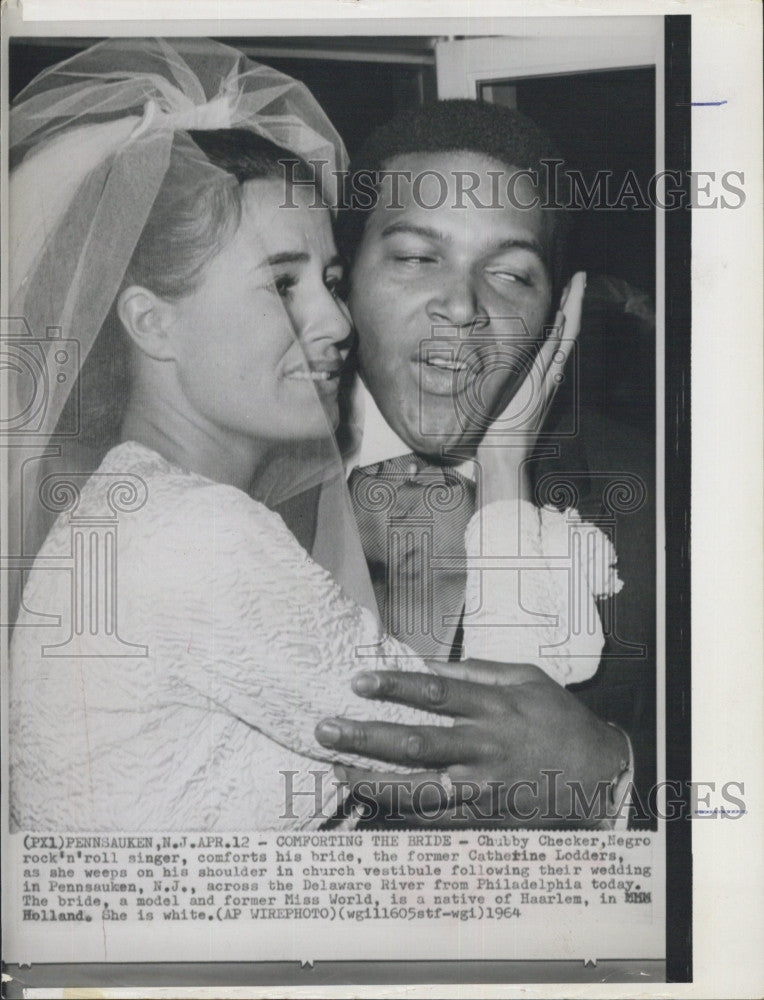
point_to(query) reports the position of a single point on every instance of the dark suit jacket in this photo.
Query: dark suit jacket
(608, 471)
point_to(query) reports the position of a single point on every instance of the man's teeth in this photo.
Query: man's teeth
(447, 363)
(309, 376)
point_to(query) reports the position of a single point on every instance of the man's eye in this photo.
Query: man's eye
(413, 259)
(510, 277)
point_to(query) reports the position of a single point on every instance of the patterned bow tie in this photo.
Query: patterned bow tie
(412, 516)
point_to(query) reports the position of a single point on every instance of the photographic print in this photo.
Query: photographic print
(346, 444)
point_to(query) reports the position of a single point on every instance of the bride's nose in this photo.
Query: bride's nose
(328, 327)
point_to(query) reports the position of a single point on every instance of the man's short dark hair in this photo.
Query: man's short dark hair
(453, 126)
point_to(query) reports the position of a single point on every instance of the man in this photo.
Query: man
(462, 240)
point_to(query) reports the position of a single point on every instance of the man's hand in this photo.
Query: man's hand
(503, 465)
(522, 750)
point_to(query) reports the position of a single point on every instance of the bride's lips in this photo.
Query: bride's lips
(323, 374)
(309, 375)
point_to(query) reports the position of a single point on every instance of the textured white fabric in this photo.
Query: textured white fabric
(531, 598)
(249, 644)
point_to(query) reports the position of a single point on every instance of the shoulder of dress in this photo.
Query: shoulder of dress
(175, 508)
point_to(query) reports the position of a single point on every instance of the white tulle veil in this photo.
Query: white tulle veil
(90, 144)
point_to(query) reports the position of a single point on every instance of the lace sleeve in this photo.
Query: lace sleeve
(534, 576)
(275, 641)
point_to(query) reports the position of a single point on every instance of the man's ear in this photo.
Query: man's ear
(147, 318)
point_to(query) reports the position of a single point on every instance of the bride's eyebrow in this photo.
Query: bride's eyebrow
(285, 257)
(297, 257)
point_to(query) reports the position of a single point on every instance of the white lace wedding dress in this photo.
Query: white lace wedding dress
(249, 643)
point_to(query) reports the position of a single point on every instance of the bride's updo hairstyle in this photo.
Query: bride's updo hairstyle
(189, 224)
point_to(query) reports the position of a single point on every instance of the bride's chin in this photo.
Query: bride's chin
(326, 431)
(318, 432)
(328, 422)
(309, 420)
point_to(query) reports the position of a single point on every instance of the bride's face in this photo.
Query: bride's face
(259, 345)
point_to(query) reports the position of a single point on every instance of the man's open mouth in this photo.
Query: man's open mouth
(441, 374)
(445, 362)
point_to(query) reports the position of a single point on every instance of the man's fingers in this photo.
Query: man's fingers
(551, 344)
(442, 695)
(457, 797)
(354, 776)
(567, 324)
(488, 671)
(573, 305)
(397, 792)
(555, 351)
(423, 747)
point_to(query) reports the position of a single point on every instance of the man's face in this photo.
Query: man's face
(449, 302)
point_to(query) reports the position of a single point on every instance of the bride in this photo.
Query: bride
(170, 613)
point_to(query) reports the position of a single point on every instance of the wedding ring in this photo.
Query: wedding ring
(448, 787)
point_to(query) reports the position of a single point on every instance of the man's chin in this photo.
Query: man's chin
(447, 447)
(437, 430)
(455, 424)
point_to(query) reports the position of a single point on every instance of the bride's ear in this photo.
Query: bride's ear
(147, 319)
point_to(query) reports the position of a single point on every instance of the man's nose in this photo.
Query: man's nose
(455, 303)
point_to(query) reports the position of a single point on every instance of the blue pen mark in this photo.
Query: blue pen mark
(707, 104)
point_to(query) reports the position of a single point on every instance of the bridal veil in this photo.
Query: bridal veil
(90, 144)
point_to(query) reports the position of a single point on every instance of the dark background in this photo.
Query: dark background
(601, 121)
